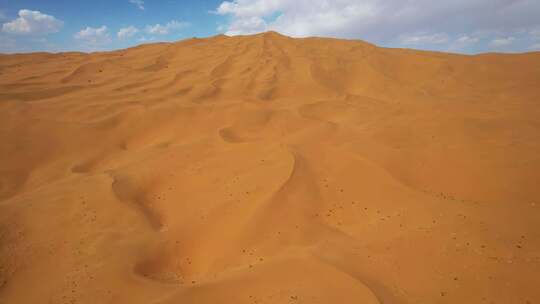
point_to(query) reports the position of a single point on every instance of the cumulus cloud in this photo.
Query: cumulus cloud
(296, 18)
(247, 25)
(170, 27)
(127, 32)
(94, 36)
(501, 42)
(32, 22)
(386, 22)
(138, 3)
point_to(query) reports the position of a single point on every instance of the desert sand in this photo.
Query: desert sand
(267, 169)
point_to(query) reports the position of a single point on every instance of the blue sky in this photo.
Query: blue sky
(185, 19)
(464, 26)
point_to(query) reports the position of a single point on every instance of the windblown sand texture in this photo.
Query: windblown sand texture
(267, 169)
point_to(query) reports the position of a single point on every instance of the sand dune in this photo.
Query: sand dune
(266, 169)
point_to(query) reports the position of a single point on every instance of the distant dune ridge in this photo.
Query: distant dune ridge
(267, 169)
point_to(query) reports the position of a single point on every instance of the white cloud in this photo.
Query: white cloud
(387, 22)
(32, 22)
(145, 39)
(423, 38)
(94, 36)
(242, 8)
(247, 25)
(138, 3)
(535, 46)
(464, 43)
(297, 18)
(466, 39)
(501, 42)
(127, 32)
(24, 44)
(171, 26)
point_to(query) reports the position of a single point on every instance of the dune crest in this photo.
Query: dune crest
(267, 169)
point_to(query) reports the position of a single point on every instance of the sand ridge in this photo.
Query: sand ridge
(267, 169)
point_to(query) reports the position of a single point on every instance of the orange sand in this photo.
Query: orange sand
(266, 169)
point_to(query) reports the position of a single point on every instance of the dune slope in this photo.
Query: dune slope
(267, 169)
